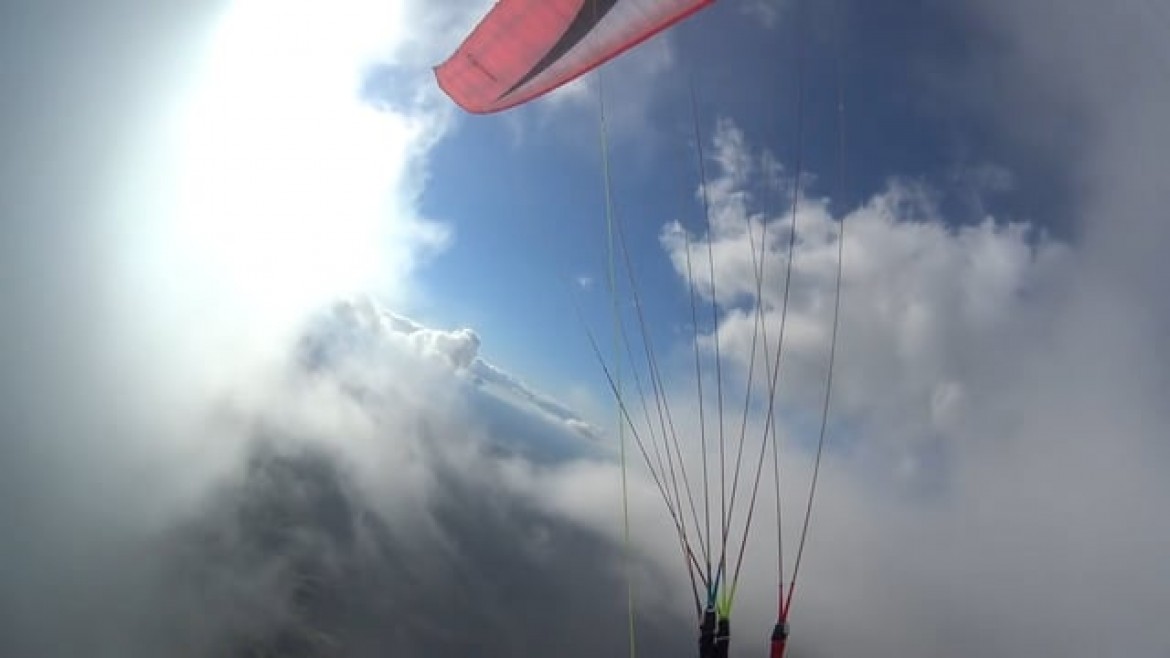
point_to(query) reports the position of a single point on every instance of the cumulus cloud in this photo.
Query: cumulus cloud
(925, 301)
(990, 451)
(359, 336)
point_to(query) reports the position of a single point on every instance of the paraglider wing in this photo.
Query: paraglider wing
(525, 48)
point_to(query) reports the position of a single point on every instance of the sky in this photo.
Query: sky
(292, 360)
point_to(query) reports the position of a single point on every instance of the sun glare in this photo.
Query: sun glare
(289, 180)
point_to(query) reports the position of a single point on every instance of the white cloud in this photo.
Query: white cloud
(990, 451)
(373, 346)
(923, 302)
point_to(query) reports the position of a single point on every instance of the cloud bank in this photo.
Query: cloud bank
(996, 449)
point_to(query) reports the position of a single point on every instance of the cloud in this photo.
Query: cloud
(400, 528)
(377, 492)
(1117, 98)
(992, 449)
(291, 559)
(359, 336)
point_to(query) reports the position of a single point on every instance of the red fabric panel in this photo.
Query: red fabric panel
(516, 34)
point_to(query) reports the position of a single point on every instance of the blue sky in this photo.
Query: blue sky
(523, 189)
(525, 193)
